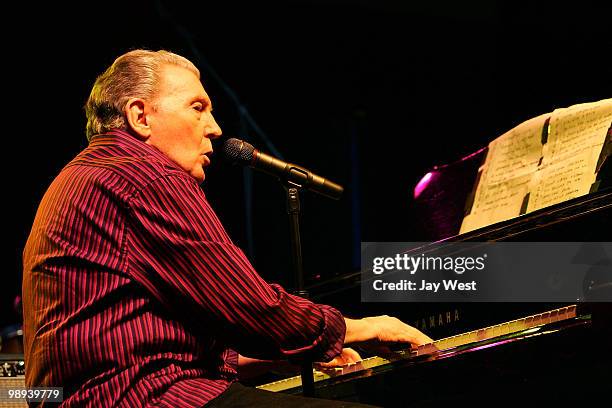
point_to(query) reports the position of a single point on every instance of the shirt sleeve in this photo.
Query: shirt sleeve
(180, 252)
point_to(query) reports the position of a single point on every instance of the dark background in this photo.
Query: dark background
(370, 93)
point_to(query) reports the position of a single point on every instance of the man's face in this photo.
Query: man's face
(181, 121)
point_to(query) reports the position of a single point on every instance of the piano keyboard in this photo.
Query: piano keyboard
(502, 329)
(437, 347)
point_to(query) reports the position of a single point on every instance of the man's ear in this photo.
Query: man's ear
(137, 119)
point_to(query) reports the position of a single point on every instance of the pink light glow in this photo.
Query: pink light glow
(422, 185)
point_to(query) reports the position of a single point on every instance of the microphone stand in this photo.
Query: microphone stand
(293, 210)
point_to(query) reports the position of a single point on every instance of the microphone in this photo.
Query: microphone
(240, 152)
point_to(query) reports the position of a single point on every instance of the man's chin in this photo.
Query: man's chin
(199, 177)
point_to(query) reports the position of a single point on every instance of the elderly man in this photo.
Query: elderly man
(133, 293)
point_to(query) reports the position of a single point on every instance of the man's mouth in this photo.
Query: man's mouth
(206, 159)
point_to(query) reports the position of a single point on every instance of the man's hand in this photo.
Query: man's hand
(383, 329)
(347, 356)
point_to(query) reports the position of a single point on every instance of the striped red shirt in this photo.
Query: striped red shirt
(134, 294)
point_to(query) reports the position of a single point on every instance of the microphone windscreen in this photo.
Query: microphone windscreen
(238, 151)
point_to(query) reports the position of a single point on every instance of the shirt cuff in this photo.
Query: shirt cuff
(332, 340)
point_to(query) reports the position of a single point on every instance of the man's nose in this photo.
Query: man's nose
(213, 130)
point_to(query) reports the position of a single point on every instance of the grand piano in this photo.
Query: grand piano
(485, 353)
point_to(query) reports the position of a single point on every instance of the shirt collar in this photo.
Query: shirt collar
(131, 144)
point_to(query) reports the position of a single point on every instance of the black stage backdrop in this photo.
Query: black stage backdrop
(368, 93)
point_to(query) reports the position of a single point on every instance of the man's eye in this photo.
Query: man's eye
(198, 107)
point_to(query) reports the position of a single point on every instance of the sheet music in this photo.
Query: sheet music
(506, 174)
(576, 137)
(520, 169)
